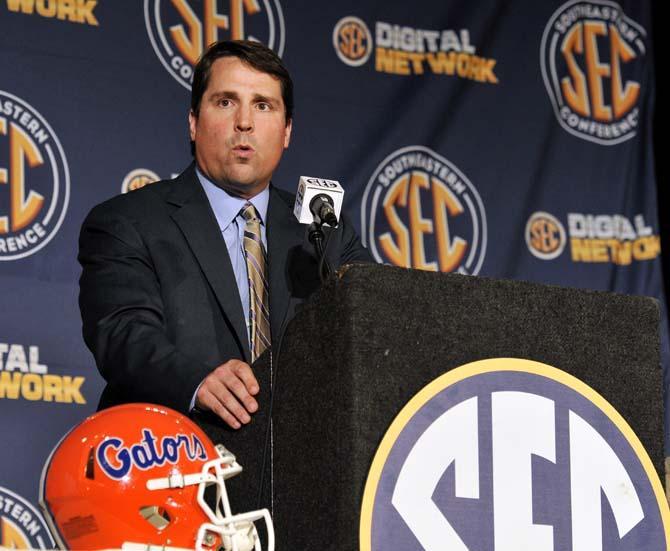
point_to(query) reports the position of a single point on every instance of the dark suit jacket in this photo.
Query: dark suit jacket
(158, 298)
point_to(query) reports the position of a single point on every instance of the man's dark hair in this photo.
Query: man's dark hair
(255, 55)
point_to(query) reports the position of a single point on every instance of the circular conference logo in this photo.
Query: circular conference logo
(592, 61)
(545, 235)
(180, 30)
(21, 526)
(420, 211)
(138, 178)
(34, 179)
(512, 454)
(352, 41)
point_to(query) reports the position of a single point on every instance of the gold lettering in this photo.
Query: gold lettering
(596, 70)
(67, 10)
(599, 250)
(462, 65)
(213, 22)
(622, 99)
(417, 63)
(450, 252)
(78, 11)
(397, 254)
(13, 538)
(71, 390)
(47, 8)
(646, 248)
(580, 250)
(25, 6)
(621, 251)
(31, 387)
(85, 9)
(10, 383)
(384, 60)
(23, 209)
(487, 73)
(419, 225)
(237, 10)
(574, 86)
(442, 63)
(190, 46)
(52, 388)
(401, 63)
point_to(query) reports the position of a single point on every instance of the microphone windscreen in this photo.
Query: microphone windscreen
(308, 188)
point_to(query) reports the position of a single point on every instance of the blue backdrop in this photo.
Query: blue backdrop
(510, 139)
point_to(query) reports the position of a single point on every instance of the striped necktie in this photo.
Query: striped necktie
(254, 252)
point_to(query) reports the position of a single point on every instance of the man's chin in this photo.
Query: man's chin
(240, 186)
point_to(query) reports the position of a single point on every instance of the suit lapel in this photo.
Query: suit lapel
(196, 220)
(283, 234)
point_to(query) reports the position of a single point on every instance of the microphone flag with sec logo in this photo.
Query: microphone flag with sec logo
(309, 190)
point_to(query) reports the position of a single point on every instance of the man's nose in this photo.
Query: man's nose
(244, 121)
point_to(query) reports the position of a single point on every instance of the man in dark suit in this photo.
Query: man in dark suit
(165, 290)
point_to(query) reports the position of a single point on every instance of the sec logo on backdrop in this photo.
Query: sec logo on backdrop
(34, 179)
(511, 454)
(21, 526)
(545, 235)
(592, 61)
(420, 211)
(352, 41)
(138, 178)
(180, 30)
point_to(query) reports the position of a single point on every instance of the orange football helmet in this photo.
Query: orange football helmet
(134, 477)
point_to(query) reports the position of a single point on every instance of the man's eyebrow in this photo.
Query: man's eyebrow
(266, 99)
(223, 94)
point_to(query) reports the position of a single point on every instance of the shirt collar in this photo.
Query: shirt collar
(226, 207)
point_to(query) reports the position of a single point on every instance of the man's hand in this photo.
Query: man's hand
(229, 392)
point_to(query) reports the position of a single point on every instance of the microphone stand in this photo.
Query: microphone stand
(316, 238)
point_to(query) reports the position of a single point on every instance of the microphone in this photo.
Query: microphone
(318, 200)
(322, 208)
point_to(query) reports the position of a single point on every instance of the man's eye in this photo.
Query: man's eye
(263, 106)
(224, 102)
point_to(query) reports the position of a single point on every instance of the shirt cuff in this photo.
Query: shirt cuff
(191, 406)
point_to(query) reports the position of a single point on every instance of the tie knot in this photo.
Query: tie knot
(249, 213)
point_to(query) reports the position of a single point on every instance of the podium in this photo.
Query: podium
(375, 335)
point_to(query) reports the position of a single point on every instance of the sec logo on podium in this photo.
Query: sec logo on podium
(510, 455)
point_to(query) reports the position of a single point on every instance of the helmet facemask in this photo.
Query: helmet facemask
(232, 532)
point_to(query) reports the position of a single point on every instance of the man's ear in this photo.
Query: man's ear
(287, 133)
(192, 121)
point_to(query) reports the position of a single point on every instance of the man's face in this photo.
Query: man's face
(241, 131)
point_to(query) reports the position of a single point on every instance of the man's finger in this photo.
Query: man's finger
(239, 390)
(210, 402)
(224, 395)
(245, 373)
